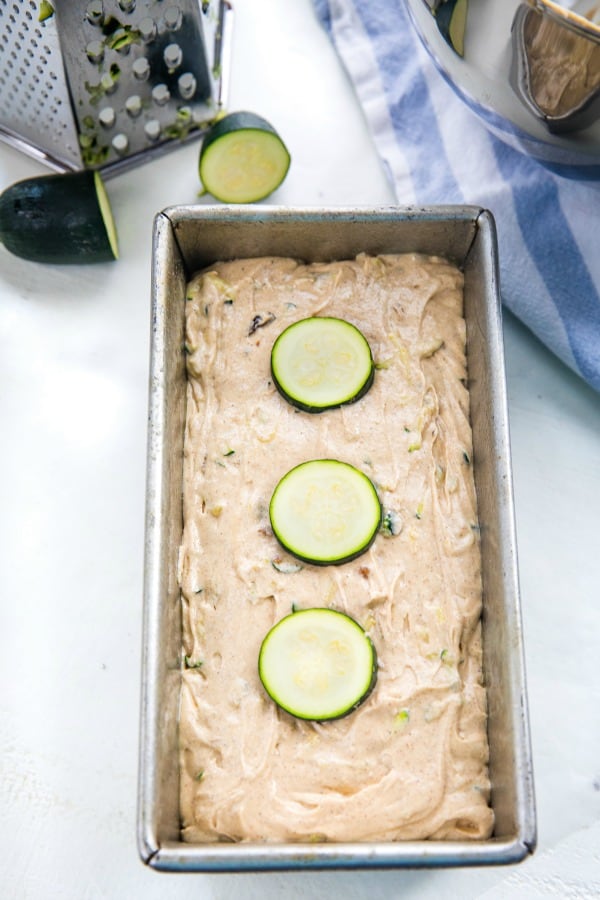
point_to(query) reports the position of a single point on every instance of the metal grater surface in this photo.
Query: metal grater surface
(103, 83)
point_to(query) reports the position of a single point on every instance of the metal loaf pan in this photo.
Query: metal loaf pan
(187, 239)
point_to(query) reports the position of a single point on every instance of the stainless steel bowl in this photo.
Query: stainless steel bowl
(530, 70)
(556, 65)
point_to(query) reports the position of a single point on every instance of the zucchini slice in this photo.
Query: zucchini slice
(317, 664)
(242, 159)
(322, 363)
(451, 17)
(59, 219)
(325, 512)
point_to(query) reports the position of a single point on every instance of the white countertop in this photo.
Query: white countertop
(74, 375)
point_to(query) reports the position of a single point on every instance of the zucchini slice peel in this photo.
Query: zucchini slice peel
(322, 362)
(317, 664)
(326, 512)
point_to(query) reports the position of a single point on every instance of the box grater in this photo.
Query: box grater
(101, 84)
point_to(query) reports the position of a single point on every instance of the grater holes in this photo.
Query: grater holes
(27, 83)
(173, 56)
(95, 12)
(186, 85)
(120, 144)
(173, 18)
(108, 84)
(152, 129)
(133, 106)
(147, 28)
(161, 94)
(158, 86)
(95, 51)
(141, 69)
(107, 117)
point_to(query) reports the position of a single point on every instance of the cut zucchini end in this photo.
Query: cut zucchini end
(59, 219)
(325, 512)
(322, 363)
(318, 664)
(107, 215)
(242, 159)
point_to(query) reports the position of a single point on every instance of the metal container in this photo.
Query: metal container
(187, 239)
(529, 70)
(555, 67)
(104, 84)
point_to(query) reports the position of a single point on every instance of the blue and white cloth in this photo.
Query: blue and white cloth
(436, 151)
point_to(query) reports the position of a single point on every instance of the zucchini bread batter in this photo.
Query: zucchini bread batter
(411, 762)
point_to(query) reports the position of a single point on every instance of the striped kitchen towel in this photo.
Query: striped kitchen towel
(435, 149)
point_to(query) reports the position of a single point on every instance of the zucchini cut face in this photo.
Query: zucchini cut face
(325, 512)
(106, 215)
(322, 362)
(317, 664)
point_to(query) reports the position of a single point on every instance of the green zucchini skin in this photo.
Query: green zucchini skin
(331, 562)
(278, 691)
(298, 397)
(236, 121)
(307, 407)
(242, 176)
(57, 219)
